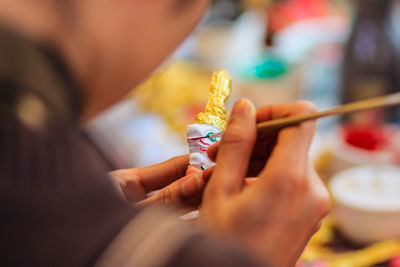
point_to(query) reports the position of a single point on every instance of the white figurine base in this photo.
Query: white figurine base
(198, 147)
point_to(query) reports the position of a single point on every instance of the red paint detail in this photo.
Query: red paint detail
(202, 149)
(204, 143)
(195, 138)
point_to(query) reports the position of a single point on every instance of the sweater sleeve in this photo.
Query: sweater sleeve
(158, 238)
(57, 204)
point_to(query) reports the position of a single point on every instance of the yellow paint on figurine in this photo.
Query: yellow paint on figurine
(215, 113)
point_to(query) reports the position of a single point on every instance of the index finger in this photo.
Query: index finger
(160, 175)
(290, 154)
(295, 135)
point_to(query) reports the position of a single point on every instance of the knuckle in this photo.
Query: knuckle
(325, 205)
(166, 196)
(294, 183)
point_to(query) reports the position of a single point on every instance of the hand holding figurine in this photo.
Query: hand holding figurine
(178, 185)
(275, 216)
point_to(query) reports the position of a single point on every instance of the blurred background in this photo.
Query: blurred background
(327, 51)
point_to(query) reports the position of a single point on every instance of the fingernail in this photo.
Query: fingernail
(191, 170)
(242, 108)
(191, 186)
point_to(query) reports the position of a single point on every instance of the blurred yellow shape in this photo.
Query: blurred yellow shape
(318, 250)
(369, 256)
(325, 234)
(176, 93)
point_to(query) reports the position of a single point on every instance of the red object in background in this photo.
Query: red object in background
(283, 13)
(371, 137)
(395, 262)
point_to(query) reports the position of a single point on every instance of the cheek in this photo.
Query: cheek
(179, 23)
(183, 20)
(175, 24)
(161, 35)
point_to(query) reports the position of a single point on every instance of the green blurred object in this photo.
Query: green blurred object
(268, 67)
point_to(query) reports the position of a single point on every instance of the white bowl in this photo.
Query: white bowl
(367, 202)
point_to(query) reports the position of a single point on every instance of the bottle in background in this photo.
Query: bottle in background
(369, 66)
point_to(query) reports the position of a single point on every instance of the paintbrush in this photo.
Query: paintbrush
(363, 105)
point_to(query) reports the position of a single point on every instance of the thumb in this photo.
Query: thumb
(234, 150)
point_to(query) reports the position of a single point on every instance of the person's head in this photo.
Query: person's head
(110, 46)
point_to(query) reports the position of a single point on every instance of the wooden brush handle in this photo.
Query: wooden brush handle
(372, 103)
